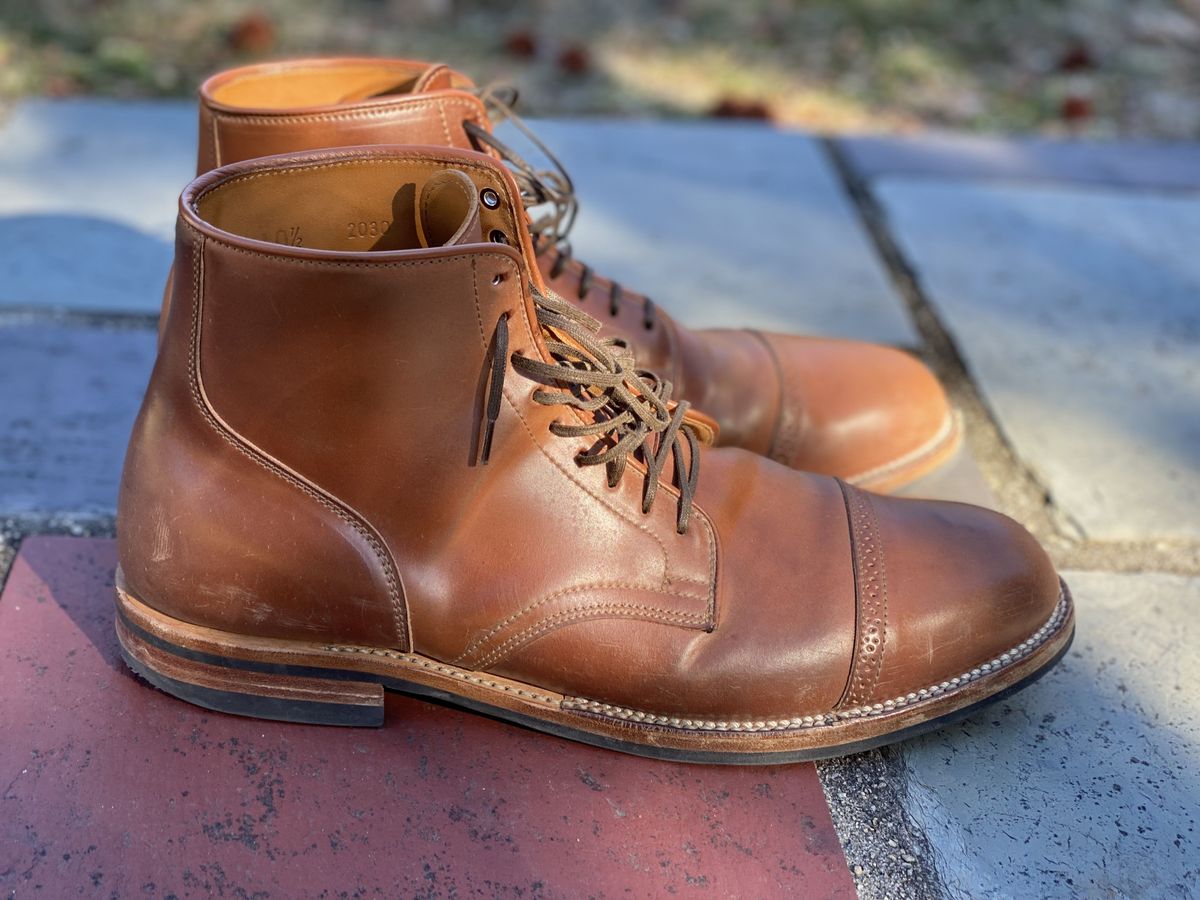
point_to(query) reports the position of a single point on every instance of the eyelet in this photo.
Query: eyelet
(498, 278)
(489, 198)
(498, 237)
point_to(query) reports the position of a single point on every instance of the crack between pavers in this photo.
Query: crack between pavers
(18, 314)
(888, 853)
(1017, 487)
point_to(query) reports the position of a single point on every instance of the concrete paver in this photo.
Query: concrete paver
(87, 202)
(1144, 165)
(1076, 312)
(1088, 783)
(122, 790)
(70, 396)
(727, 225)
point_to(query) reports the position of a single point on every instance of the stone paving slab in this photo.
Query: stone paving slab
(87, 202)
(1077, 313)
(70, 397)
(1146, 165)
(113, 788)
(1087, 784)
(727, 225)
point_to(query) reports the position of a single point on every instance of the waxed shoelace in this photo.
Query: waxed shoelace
(627, 407)
(540, 187)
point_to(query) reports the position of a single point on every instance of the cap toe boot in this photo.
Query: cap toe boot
(378, 453)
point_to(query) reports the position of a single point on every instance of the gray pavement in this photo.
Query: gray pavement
(736, 225)
(1078, 312)
(1072, 301)
(1088, 783)
(70, 396)
(1138, 165)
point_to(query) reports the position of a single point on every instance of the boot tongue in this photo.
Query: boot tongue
(448, 211)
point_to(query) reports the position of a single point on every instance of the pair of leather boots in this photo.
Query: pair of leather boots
(398, 438)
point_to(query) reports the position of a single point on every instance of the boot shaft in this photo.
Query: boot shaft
(317, 412)
(275, 108)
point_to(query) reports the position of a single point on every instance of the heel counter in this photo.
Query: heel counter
(214, 534)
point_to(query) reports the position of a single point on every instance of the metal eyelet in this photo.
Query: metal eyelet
(498, 237)
(498, 278)
(489, 198)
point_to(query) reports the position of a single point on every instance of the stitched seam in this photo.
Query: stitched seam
(441, 108)
(998, 663)
(787, 437)
(870, 595)
(775, 452)
(377, 112)
(575, 589)
(943, 436)
(619, 513)
(384, 558)
(216, 135)
(866, 711)
(444, 670)
(700, 514)
(598, 610)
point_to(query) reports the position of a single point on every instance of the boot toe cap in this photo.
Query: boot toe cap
(966, 586)
(873, 415)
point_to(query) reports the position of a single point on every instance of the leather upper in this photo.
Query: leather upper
(305, 467)
(865, 413)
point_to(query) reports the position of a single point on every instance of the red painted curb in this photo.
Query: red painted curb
(109, 787)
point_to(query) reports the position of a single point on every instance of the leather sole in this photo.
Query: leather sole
(343, 685)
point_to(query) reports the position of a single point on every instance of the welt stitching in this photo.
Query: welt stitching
(866, 711)
(398, 619)
(443, 670)
(597, 610)
(627, 714)
(573, 589)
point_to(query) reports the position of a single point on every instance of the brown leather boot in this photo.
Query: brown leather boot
(361, 466)
(871, 415)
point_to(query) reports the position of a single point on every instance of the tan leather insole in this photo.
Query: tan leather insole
(321, 85)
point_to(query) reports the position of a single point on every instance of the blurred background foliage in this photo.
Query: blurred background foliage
(1095, 67)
